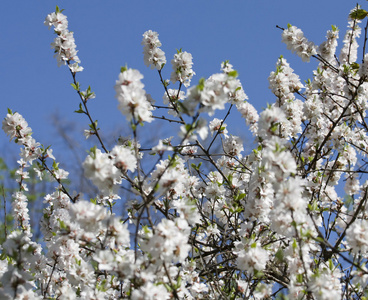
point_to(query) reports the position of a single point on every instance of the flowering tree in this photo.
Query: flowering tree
(272, 223)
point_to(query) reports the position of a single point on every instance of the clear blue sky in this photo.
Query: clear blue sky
(108, 35)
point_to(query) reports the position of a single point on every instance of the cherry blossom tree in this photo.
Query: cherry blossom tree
(289, 220)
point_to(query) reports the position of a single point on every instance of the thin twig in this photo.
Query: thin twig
(5, 225)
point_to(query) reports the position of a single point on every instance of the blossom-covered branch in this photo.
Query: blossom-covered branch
(205, 219)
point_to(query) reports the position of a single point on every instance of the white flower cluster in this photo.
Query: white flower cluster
(233, 146)
(217, 125)
(357, 236)
(153, 55)
(106, 169)
(132, 98)
(16, 127)
(87, 219)
(169, 242)
(20, 211)
(182, 68)
(327, 49)
(284, 83)
(16, 281)
(295, 41)
(251, 257)
(79, 226)
(250, 114)
(349, 52)
(326, 284)
(211, 94)
(277, 166)
(363, 70)
(238, 97)
(64, 44)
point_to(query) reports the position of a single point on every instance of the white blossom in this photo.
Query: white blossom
(295, 41)
(153, 55)
(133, 102)
(182, 68)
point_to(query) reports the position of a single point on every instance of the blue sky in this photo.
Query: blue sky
(108, 35)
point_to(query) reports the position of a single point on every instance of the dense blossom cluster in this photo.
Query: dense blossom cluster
(153, 55)
(64, 43)
(132, 98)
(205, 218)
(284, 83)
(213, 93)
(182, 68)
(297, 43)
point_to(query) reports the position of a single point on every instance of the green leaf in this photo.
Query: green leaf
(200, 85)
(93, 126)
(258, 273)
(188, 127)
(295, 245)
(62, 224)
(80, 110)
(92, 151)
(178, 284)
(75, 86)
(299, 278)
(230, 178)
(240, 196)
(280, 255)
(233, 73)
(354, 66)
(319, 239)
(55, 165)
(313, 206)
(358, 14)
(346, 69)
(10, 111)
(195, 167)
(123, 69)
